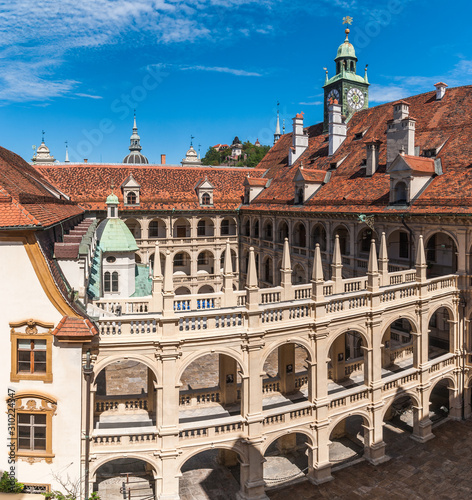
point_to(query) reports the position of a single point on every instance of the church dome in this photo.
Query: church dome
(115, 236)
(346, 49)
(112, 199)
(135, 157)
(191, 153)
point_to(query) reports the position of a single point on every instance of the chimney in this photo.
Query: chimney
(163, 159)
(372, 161)
(85, 160)
(400, 132)
(440, 90)
(337, 127)
(299, 140)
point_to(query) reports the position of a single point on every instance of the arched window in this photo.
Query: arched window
(114, 281)
(107, 282)
(201, 228)
(131, 198)
(256, 229)
(247, 228)
(153, 229)
(225, 227)
(206, 200)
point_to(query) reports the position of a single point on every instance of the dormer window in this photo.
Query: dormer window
(131, 198)
(400, 193)
(131, 191)
(299, 196)
(204, 191)
(206, 199)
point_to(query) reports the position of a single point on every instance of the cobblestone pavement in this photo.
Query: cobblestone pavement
(436, 470)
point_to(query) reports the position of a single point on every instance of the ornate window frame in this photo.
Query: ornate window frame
(31, 333)
(31, 403)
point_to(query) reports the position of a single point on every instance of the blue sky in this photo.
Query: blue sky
(209, 68)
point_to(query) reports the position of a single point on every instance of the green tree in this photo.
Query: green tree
(212, 157)
(10, 484)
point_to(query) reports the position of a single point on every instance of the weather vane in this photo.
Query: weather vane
(43, 135)
(191, 140)
(347, 20)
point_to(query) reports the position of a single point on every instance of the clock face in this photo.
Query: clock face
(333, 94)
(355, 98)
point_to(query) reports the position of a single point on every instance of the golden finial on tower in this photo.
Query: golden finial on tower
(347, 20)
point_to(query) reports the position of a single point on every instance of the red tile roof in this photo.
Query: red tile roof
(253, 181)
(313, 175)
(27, 199)
(444, 124)
(420, 165)
(74, 328)
(163, 187)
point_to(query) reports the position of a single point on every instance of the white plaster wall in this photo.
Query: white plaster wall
(22, 297)
(73, 272)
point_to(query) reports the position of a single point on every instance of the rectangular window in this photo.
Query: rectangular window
(403, 250)
(114, 282)
(107, 282)
(31, 432)
(31, 356)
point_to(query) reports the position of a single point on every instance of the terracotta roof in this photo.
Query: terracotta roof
(445, 123)
(27, 199)
(420, 165)
(163, 187)
(74, 328)
(253, 181)
(313, 175)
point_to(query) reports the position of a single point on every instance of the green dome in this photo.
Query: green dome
(112, 199)
(346, 49)
(114, 236)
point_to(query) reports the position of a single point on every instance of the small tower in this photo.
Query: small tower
(191, 158)
(236, 148)
(135, 155)
(277, 126)
(43, 155)
(346, 86)
(67, 153)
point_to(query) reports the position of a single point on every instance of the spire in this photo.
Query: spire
(286, 265)
(135, 140)
(157, 273)
(277, 127)
(326, 77)
(337, 267)
(67, 153)
(383, 259)
(373, 267)
(168, 274)
(317, 265)
(228, 265)
(421, 265)
(251, 271)
(366, 80)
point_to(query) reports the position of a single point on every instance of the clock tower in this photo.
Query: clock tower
(348, 88)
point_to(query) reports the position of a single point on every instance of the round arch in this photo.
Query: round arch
(318, 234)
(95, 465)
(356, 328)
(103, 363)
(186, 361)
(386, 323)
(269, 349)
(435, 308)
(396, 397)
(236, 447)
(427, 235)
(340, 418)
(272, 438)
(434, 383)
(344, 236)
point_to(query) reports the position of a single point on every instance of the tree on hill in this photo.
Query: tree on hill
(251, 156)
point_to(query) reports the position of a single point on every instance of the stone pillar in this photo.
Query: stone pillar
(145, 228)
(338, 358)
(252, 473)
(151, 393)
(228, 379)
(286, 368)
(167, 422)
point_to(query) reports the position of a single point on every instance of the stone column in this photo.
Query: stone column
(252, 473)
(228, 371)
(286, 368)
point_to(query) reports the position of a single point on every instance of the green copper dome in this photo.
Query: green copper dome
(346, 49)
(114, 236)
(112, 199)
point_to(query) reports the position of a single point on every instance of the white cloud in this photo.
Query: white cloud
(32, 34)
(218, 69)
(89, 96)
(387, 93)
(314, 103)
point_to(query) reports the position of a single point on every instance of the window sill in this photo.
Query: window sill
(43, 377)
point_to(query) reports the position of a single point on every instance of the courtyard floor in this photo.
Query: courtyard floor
(438, 469)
